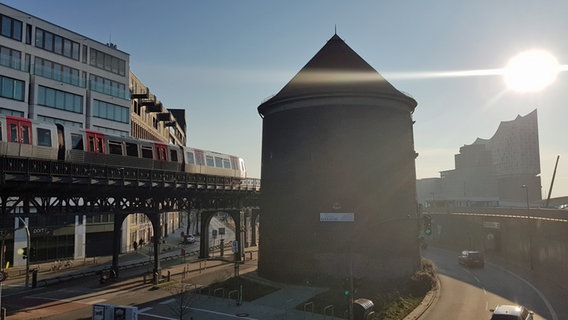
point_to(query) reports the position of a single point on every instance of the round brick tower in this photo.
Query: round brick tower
(337, 144)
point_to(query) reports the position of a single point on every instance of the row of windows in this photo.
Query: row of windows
(111, 111)
(107, 86)
(107, 62)
(57, 44)
(11, 28)
(59, 100)
(65, 123)
(113, 132)
(10, 58)
(11, 88)
(11, 112)
(58, 72)
(209, 160)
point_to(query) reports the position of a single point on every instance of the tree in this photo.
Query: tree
(181, 292)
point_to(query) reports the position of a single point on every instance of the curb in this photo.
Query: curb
(431, 297)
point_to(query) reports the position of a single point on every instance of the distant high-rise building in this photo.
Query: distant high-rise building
(492, 171)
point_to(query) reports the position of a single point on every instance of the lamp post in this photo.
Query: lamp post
(29, 251)
(524, 186)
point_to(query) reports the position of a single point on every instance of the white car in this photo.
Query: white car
(511, 312)
(188, 239)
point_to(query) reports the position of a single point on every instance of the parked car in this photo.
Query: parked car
(470, 258)
(188, 239)
(511, 312)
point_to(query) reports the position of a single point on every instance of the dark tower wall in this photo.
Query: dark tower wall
(343, 151)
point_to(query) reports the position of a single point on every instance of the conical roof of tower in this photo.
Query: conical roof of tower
(336, 70)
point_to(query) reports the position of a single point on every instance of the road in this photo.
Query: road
(470, 293)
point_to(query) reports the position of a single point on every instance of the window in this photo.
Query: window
(226, 164)
(43, 137)
(110, 111)
(131, 149)
(190, 158)
(56, 44)
(56, 71)
(209, 161)
(10, 58)
(11, 28)
(107, 62)
(11, 88)
(76, 141)
(114, 147)
(219, 162)
(58, 99)
(173, 155)
(147, 153)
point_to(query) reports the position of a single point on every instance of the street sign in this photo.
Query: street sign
(337, 217)
(235, 246)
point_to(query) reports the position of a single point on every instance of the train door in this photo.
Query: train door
(161, 153)
(95, 142)
(19, 134)
(160, 156)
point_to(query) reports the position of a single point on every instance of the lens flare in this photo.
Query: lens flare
(531, 71)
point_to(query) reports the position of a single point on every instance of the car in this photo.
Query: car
(471, 258)
(188, 239)
(511, 312)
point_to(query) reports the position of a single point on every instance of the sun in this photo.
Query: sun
(531, 71)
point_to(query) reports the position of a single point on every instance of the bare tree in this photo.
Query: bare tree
(181, 292)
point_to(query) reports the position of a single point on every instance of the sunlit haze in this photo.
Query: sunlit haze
(220, 59)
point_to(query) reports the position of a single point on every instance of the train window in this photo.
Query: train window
(13, 132)
(76, 141)
(226, 164)
(115, 147)
(173, 155)
(219, 162)
(25, 134)
(43, 137)
(190, 158)
(209, 161)
(131, 149)
(147, 153)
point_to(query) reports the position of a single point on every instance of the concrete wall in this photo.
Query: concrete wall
(512, 234)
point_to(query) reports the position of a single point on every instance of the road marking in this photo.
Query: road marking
(144, 310)
(540, 294)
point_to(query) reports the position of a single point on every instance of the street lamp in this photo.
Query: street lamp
(524, 186)
(28, 253)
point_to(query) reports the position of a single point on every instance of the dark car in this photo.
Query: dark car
(511, 312)
(471, 258)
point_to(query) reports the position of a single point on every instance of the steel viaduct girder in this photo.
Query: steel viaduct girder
(60, 188)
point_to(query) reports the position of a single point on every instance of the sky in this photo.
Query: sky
(221, 59)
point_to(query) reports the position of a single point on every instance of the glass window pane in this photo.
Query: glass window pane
(17, 32)
(6, 26)
(43, 137)
(7, 88)
(48, 43)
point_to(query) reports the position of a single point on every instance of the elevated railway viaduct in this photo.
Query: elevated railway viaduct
(59, 191)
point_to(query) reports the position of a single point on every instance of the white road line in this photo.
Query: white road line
(546, 302)
(168, 301)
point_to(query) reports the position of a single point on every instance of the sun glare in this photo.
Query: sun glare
(531, 71)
